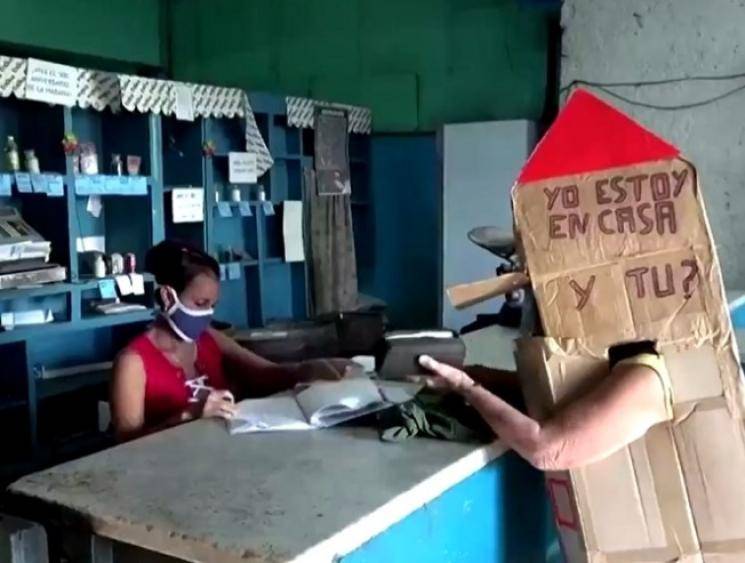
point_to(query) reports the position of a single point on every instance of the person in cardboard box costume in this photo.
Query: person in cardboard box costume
(633, 387)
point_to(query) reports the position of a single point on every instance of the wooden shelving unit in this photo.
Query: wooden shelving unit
(268, 288)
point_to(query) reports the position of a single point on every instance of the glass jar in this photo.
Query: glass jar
(12, 160)
(32, 162)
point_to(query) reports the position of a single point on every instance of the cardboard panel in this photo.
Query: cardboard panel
(736, 557)
(694, 373)
(590, 303)
(664, 287)
(622, 481)
(531, 369)
(711, 446)
(581, 221)
(572, 375)
(550, 375)
(561, 492)
(562, 501)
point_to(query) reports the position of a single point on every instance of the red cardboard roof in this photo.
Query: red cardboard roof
(588, 135)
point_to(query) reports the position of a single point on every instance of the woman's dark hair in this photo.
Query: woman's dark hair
(176, 264)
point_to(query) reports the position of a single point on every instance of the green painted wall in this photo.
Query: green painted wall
(417, 63)
(128, 31)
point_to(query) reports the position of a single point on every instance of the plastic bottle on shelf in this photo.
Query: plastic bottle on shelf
(116, 164)
(99, 266)
(32, 162)
(12, 160)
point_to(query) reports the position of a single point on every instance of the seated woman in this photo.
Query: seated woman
(180, 368)
(617, 411)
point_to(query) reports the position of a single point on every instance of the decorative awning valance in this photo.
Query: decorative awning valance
(301, 112)
(105, 90)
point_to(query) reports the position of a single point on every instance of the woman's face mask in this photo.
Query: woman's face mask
(188, 324)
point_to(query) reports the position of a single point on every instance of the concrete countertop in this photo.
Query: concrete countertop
(196, 493)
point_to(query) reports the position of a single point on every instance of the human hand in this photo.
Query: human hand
(444, 377)
(219, 404)
(329, 369)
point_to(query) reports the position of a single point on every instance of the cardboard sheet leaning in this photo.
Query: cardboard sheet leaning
(613, 231)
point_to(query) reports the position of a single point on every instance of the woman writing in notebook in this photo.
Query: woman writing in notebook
(180, 369)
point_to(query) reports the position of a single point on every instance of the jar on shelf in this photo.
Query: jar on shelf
(88, 158)
(116, 165)
(32, 162)
(117, 264)
(12, 160)
(99, 266)
(133, 164)
(130, 263)
(75, 160)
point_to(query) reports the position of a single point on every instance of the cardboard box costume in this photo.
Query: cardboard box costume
(612, 228)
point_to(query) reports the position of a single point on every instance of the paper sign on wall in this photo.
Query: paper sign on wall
(5, 183)
(55, 185)
(94, 205)
(224, 209)
(107, 289)
(244, 208)
(52, 83)
(242, 168)
(234, 271)
(292, 231)
(187, 205)
(138, 283)
(39, 183)
(91, 244)
(124, 283)
(23, 183)
(183, 99)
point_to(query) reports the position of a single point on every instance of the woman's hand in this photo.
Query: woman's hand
(444, 377)
(219, 404)
(330, 369)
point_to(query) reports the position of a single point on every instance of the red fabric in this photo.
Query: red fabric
(588, 135)
(166, 393)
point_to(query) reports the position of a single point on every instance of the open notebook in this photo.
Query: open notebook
(318, 405)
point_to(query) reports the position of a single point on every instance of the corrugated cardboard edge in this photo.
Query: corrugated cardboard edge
(534, 356)
(720, 333)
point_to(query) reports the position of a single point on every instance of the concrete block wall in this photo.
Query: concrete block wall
(642, 40)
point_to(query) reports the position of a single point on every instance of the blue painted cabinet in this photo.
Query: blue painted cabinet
(498, 515)
(56, 418)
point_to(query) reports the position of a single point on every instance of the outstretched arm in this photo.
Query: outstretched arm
(619, 410)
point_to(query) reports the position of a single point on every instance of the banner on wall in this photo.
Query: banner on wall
(51, 82)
